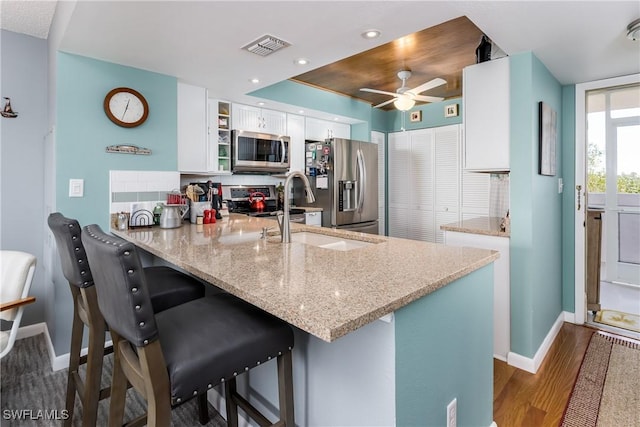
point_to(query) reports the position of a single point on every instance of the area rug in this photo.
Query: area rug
(618, 319)
(607, 390)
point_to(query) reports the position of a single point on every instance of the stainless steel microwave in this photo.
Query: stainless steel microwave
(259, 152)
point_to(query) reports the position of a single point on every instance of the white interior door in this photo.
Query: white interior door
(622, 211)
(617, 144)
(613, 178)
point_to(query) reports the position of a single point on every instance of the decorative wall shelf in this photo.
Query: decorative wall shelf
(128, 149)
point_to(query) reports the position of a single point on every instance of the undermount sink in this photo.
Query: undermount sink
(239, 238)
(328, 242)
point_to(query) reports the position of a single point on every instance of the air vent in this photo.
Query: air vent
(266, 45)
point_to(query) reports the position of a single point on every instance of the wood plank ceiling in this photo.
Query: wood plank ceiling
(440, 51)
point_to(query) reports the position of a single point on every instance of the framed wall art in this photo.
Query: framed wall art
(547, 134)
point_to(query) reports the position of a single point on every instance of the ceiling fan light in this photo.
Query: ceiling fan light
(633, 30)
(404, 103)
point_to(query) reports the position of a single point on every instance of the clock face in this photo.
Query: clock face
(126, 107)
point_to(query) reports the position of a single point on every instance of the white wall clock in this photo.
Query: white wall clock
(126, 107)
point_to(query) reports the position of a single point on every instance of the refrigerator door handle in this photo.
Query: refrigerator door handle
(362, 179)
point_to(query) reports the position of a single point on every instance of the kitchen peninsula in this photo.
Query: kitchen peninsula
(433, 343)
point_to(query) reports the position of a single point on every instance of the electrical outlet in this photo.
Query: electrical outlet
(452, 413)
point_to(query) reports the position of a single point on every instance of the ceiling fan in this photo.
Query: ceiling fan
(404, 99)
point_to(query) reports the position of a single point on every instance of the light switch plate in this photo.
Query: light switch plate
(560, 185)
(76, 188)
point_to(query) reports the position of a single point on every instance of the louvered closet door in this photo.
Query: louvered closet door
(475, 194)
(399, 184)
(447, 177)
(421, 194)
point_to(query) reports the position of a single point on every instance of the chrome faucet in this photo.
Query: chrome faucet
(283, 217)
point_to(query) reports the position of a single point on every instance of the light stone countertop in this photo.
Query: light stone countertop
(324, 292)
(488, 226)
(309, 208)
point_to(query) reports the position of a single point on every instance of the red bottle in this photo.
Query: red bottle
(208, 216)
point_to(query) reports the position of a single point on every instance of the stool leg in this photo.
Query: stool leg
(232, 408)
(203, 409)
(285, 388)
(77, 330)
(118, 385)
(95, 358)
(156, 383)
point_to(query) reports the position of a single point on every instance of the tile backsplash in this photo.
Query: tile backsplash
(499, 195)
(150, 187)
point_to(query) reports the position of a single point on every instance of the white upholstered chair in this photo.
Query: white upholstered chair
(17, 269)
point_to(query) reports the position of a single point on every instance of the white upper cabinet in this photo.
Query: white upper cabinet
(486, 116)
(194, 153)
(246, 117)
(295, 130)
(319, 130)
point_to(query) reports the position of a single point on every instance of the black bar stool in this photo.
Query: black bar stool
(167, 288)
(182, 352)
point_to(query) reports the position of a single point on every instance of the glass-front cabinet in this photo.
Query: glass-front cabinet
(221, 129)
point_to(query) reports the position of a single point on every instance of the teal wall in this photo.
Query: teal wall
(568, 219)
(444, 350)
(84, 131)
(536, 209)
(432, 116)
(293, 93)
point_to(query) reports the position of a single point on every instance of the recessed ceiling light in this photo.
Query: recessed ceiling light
(261, 103)
(254, 80)
(371, 34)
(301, 61)
(300, 111)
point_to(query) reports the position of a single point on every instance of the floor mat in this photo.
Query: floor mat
(618, 319)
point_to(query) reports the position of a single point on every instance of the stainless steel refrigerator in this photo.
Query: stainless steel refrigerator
(344, 176)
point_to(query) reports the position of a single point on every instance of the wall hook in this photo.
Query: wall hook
(7, 111)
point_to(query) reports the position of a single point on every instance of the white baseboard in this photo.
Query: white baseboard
(31, 330)
(57, 362)
(569, 317)
(531, 365)
(62, 361)
(217, 400)
(493, 424)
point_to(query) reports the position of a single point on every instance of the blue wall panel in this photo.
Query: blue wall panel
(84, 131)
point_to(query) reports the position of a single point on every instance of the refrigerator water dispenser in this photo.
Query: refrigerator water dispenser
(347, 195)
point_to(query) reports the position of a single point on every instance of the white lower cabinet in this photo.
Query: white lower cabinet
(501, 285)
(313, 218)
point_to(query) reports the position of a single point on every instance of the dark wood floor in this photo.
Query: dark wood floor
(524, 399)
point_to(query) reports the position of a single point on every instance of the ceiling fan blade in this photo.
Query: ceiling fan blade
(428, 85)
(427, 98)
(379, 91)
(385, 103)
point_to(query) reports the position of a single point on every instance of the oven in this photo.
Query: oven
(239, 200)
(259, 152)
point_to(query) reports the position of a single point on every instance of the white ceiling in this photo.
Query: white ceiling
(200, 42)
